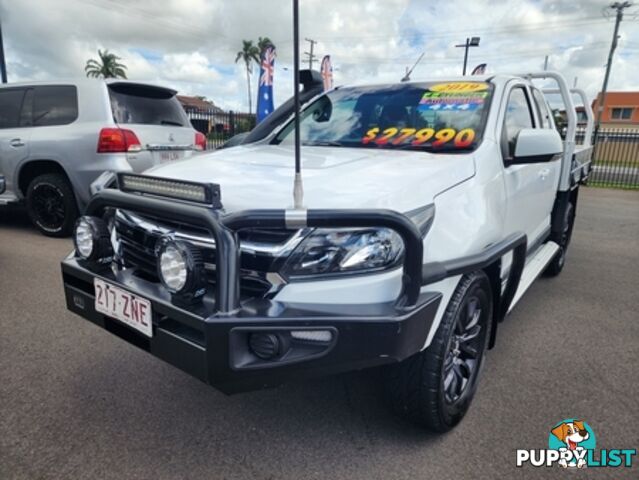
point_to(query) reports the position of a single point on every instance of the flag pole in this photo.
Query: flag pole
(298, 188)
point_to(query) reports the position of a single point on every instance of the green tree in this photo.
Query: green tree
(249, 54)
(107, 66)
(264, 42)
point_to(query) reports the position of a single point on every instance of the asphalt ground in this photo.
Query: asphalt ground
(76, 402)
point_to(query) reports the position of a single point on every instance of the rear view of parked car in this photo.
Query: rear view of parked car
(57, 138)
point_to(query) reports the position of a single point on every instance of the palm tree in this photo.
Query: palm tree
(264, 42)
(249, 53)
(106, 67)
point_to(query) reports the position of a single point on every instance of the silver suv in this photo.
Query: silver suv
(56, 138)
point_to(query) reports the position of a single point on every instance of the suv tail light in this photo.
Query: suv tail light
(118, 140)
(200, 141)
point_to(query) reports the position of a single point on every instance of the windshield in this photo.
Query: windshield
(436, 116)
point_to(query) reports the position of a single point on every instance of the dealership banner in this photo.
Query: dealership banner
(265, 90)
(327, 72)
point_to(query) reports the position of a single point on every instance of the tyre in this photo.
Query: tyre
(556, 265)
(434, 388)
(51, 205)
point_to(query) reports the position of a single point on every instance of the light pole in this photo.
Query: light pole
(620, 7)
(3, 65)
(470, 42)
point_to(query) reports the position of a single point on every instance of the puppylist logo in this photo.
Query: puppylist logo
(572, 444)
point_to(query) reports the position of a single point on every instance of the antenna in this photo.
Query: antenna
(406, 77)
(298, 188)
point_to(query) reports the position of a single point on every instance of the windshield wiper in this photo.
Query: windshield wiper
(323, 143)
(170, 122)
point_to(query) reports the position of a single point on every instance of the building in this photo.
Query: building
(561, 119)
(621, 109)
(205, 116)
(197, 104)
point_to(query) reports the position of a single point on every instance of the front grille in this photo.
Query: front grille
(138, 238)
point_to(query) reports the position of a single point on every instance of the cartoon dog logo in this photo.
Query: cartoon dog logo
(571, 433)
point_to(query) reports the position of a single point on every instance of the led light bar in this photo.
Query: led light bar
(206, 193)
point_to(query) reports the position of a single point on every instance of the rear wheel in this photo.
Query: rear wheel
(556, 265)
(434, 388)
(51, 205)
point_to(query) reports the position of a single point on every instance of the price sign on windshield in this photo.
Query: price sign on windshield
(411, 136)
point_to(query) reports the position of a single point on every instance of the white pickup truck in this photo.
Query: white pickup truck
(430, 207)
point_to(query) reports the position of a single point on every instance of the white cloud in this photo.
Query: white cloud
(190, 45)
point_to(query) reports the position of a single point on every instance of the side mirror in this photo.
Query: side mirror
(534, 145)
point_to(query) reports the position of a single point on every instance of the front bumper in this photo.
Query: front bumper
(212, 341)
(215, 348)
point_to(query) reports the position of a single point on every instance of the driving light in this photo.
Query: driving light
(181, 269)
(328, 251)
(92, 241)
(265, 345)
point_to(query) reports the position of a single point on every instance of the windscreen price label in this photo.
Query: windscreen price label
(411, 136)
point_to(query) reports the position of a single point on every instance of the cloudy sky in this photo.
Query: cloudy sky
(191, 44)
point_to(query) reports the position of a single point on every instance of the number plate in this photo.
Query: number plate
(170, 155)
(126, 307)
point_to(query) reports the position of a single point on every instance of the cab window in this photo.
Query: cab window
(518, 116)
(542, 109)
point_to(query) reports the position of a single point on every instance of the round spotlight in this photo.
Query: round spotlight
(181, 269)
(83, 238)
(92, 240)
(173, 268)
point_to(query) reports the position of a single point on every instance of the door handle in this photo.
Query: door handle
(544, 173)
(16, 142)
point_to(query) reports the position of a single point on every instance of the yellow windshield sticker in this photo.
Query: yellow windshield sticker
(459, 87)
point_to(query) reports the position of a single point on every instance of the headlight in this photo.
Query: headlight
(345, 250)
(91, 240)
(181, 269)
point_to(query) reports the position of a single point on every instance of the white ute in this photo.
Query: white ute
(429, 208)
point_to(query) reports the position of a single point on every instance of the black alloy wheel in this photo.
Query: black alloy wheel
(435, 387)
(48, 205)
(51, 205)
(466, 344)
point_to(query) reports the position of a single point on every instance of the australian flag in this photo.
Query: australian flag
(265, 90)
(327, 73)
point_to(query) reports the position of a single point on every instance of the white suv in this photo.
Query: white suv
(57, 137)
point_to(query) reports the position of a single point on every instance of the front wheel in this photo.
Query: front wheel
(51, 205)
(434, 388)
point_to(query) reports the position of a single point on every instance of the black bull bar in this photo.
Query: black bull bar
(224, 229)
